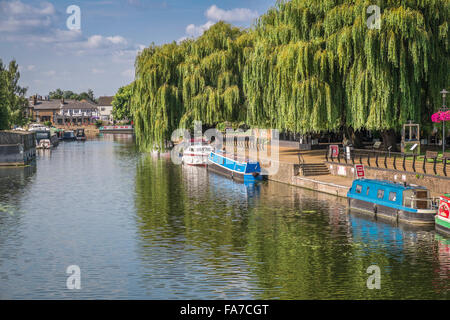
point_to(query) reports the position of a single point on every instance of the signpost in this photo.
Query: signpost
(360, 173)
(334, 151)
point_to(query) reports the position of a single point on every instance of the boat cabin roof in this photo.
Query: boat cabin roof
(387, 184)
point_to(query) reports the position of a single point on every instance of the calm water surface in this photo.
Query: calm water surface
(140, 227)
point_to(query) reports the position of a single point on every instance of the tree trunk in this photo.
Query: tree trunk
(351, 137)
(390, 139)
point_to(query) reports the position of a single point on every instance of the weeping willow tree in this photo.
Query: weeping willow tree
(305, 66)
(200, 79)
(318, 66)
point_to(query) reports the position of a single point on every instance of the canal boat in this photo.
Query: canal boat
(196, 155)
(392, 201)
(69, 135)
(46, 139)
(244, 171)
(117, 129)
(81, 136)
(442, 219)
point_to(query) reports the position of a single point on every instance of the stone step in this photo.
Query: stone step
(314, 169)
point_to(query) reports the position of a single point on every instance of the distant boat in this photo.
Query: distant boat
(393, 201)
(81, 136)
(245, 171)
(69, 136)
(45, 139)
(117, 129)
(196, 155)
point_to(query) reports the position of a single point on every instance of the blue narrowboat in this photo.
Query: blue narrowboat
(393, 201)
(247, 171)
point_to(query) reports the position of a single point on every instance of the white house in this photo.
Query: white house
(105, 108)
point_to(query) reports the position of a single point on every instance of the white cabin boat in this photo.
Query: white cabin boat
(196, 155)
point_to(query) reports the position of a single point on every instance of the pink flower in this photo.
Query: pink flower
(436, 117)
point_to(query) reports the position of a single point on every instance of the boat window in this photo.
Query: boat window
(42, 135)
(380, 194)
(358, 188)
(367, 191)
(392, 196)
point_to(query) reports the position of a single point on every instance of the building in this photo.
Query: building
(61, 112)
(105, 108)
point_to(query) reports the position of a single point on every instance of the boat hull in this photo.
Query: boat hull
(443, 226)
(425, 217)
(238, 176)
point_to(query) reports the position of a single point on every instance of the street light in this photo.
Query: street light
(443, 109)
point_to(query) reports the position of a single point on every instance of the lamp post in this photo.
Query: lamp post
(443, 109)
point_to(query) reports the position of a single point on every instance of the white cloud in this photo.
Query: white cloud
(239, 14)
(17, 16)
(196, 31)
(98, 41)
(215, 14)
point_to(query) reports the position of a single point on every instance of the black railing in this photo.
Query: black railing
(392, 160)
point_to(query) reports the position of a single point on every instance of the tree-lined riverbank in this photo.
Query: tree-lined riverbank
(305, 66)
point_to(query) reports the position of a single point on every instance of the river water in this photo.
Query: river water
(141, 227)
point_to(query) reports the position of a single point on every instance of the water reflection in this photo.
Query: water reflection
(140, 226)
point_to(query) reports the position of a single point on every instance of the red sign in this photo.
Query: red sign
(360, 170)
(444, 207)
(334, 151)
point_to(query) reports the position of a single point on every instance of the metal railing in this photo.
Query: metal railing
(432, 203)
(391, 160)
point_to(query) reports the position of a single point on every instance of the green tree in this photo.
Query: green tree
(15, 97)
(305, 66)
(57, 94)
(121, 103)
(13, 102)
(4, 109)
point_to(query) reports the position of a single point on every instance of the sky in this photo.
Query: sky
(100, 53)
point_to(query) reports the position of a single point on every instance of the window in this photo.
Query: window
(103, 109)
(380, 194)
(358, 188)
(392, 196)
(367, 191)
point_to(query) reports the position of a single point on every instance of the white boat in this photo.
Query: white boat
(196, 155)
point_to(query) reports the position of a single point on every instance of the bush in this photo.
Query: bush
(48, 123)
(98, 123)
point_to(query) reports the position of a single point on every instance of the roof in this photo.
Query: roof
(386, 183)
(55, 104)
(74, 104)
(45, 105)
(105, 100)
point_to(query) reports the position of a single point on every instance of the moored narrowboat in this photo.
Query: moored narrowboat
(196, 155)
(442, 219)
(240, 171)
(392, 201)
(81, 136)
(69, 135)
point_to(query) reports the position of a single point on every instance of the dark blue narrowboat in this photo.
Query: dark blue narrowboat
(246, 171)
(69, 136)
(393, 201)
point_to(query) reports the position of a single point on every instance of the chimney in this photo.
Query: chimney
(62, 100)
(34, 100)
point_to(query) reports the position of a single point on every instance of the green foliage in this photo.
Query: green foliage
(13, 102)
(59, 94)
(98, 123)
(306, 66)
(48, 123)
(121, 103)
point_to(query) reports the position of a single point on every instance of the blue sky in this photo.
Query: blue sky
(101, 54)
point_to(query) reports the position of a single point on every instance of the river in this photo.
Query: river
(140, 227)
